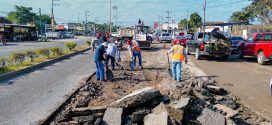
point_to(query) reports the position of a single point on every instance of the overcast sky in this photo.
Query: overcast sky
(129, 11)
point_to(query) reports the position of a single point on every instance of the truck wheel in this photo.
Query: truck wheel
(197, 54)
(187, 50)
(261, 58)
(240, 54)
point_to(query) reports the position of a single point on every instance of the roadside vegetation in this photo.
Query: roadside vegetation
(23, 59)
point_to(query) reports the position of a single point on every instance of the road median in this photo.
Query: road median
(13, 74)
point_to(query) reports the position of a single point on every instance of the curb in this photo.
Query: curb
(196, 70)
(40, 65)
(53, 114)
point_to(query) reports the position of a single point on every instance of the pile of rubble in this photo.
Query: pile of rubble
(151, 97)
(194, 101)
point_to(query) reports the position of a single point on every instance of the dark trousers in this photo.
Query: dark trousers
(139, 55)
(112, 61)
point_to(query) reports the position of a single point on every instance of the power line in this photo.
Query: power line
(226, 4)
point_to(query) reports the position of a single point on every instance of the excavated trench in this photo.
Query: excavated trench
(89, 104)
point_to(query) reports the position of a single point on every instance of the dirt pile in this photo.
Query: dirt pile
(151, 97)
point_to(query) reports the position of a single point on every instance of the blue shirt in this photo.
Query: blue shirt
(99, 52)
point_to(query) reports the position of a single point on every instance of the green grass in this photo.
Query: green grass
(40, 59)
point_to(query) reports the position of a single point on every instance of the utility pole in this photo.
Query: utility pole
(168, 18)
(40, 12)
(53, 16)
(187, 21)
(86, 21)
(110, 16)
(77, 23)
(115, 17)
(95, 21)
(204, 18)
(160, 20)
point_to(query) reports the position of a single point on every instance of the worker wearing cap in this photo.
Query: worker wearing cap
(98, 59)
(179, 55)
(135, 51)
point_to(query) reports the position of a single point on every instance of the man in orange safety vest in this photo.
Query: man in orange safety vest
(179, 55)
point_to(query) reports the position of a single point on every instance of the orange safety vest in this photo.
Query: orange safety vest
(178, 53)
(136, 48)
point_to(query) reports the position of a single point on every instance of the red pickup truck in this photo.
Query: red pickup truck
(259, 45)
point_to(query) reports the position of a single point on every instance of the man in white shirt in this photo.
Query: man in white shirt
(111, 52)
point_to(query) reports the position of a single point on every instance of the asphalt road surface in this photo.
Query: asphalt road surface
(21, 46)
(29, 98)
(246, 79)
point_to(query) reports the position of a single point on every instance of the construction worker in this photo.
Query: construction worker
(135, 51)
(98, 59)
(111, 52)
(179, 55)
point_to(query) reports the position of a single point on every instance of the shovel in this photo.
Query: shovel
(109, 74)
(131, 64)
(169, 69)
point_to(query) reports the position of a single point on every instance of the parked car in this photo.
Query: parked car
(183, 39)
(68, 35)
(201, 47)
(258, 45)
(235, 40)
(165, 37)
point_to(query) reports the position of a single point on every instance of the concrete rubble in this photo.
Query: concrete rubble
(209, 117)
(151, 97)
(112, 116)
(137, 98)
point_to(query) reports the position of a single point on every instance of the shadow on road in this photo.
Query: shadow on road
(232, 59)
(209, 77)
(10, 44)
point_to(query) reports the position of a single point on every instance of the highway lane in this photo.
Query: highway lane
(245, 79)
(29, 98)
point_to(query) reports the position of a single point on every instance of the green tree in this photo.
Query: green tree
(21, 15)
(195, 20)
(240, 16)
(45, 18)
(183, 24)
(258, 9)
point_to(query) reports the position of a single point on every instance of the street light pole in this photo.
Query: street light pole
(110, 16)
(40, 12)
(204, 18)
(53, 16)
(187, 23)
(86, 21)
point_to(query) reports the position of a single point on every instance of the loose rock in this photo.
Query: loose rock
(137, 98)
(157, 119)
(216, 90)
(209, 117)
(180, 104)
(112, 116)
(83, 119)
(139, 116)
(229, 111)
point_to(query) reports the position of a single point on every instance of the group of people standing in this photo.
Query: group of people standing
(107, 50)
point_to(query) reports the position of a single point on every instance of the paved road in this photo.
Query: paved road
(31, 97)
(21, 46)
(244, 78)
